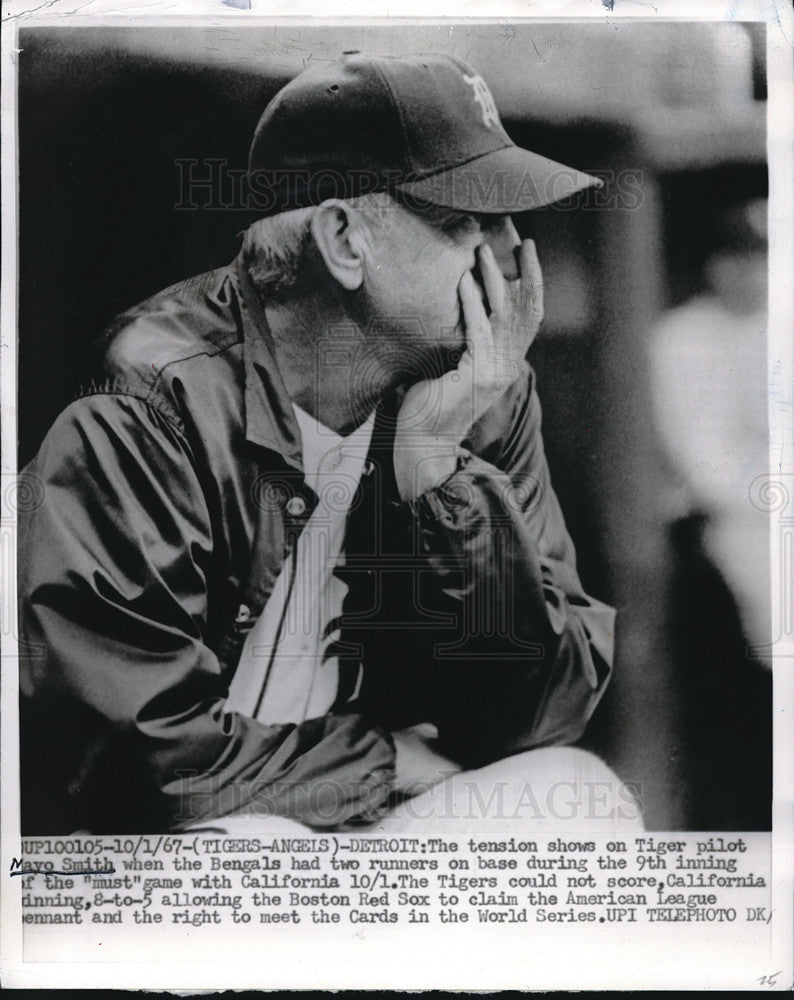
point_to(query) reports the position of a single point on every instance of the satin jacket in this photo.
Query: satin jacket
(172, 496)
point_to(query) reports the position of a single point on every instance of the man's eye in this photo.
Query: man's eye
(460, 225)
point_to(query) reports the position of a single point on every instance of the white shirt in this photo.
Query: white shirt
(708, 368)
(285, 651)
(708, 376)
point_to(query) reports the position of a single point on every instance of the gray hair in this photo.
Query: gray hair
(277, 254)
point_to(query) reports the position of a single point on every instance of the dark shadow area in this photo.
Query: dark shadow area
(726, 697)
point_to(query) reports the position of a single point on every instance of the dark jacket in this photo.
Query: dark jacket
(166, 519)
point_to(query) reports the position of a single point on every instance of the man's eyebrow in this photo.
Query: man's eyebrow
(453, 219)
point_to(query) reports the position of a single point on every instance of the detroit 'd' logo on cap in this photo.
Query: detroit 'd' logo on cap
(482, 95)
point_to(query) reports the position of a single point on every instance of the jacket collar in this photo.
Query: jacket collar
(270, 420)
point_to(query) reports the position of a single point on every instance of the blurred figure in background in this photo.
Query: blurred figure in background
(708, 376)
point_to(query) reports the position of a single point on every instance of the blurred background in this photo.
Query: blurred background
(671, 115)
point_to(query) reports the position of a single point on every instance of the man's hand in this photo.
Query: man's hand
(419, 766)
(437, 414)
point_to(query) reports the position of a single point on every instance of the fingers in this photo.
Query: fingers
(516, 307)
(492, 279)
(478, 329)
(531, 280)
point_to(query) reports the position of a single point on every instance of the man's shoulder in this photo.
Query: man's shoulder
(174, 330)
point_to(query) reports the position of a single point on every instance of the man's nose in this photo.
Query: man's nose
(500, 234)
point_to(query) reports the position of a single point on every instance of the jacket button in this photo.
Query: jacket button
(243, 614)
(296, 506)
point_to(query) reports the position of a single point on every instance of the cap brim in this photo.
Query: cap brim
(503, 182)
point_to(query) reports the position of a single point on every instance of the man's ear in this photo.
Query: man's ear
(339, 235)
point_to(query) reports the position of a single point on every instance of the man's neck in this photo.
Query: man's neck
(329, 369)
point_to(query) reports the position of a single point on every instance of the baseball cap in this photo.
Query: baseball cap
(424, 125)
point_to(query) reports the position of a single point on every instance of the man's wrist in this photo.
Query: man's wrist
(418, 764)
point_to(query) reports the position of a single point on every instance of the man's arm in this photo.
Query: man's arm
(114, 570)
(536, 651)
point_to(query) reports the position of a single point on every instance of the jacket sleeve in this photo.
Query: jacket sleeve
(532, 653)
(114, 569)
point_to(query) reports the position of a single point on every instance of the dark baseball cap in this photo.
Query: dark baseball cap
(423, 125)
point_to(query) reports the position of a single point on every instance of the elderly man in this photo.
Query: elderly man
(299, 554)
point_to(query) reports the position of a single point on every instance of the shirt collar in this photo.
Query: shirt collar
(328, 455)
